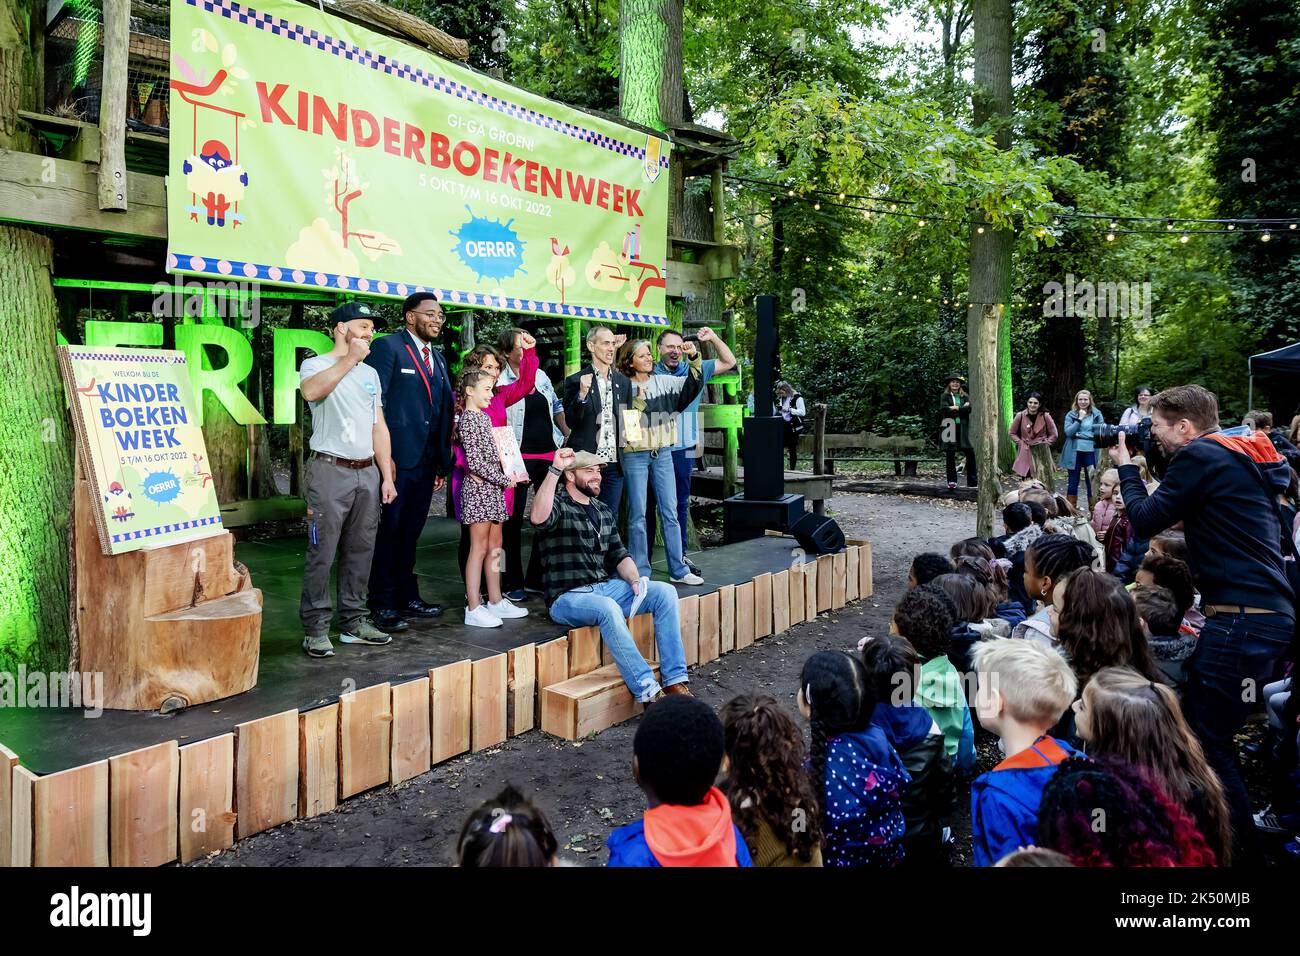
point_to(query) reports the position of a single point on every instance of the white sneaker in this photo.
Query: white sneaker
(481, 617)
(688, 578)
(504, 609)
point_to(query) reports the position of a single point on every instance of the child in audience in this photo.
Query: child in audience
(1130, 556)
(767, 784)
(1013, 612)
(1142, 824)
(1096, 623)
(1162, 620)
(859, 776)
(507, 831)
(926, 567)
(1021, 533)
(1171, 573)
(1118, 534)
(1024, 688)
(1047, 562)
(892, 665)
(1034, 856)
(926, 617)
(1172, 544)
(1103, 512)
(677, 752)
(1123, 714)
(973, 600)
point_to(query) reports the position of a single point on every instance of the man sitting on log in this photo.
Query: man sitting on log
(590, 578)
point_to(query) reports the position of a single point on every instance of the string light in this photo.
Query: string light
(1231, 226)
(1184, 237)
(920, 222)
(980, 230)
(1292, 226)
(1110, 237)
(1266, 237)
(817, 205)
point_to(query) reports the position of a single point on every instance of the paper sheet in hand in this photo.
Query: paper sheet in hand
(640, 596)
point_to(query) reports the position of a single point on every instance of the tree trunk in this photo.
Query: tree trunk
(990, 263)
(36, 467)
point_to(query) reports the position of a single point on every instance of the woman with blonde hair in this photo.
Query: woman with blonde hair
(1079, 452)
(1123, 714)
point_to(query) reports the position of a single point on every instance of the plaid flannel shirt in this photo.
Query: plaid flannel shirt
(575, 554)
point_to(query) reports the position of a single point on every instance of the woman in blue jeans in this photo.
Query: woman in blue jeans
(1079, 453)
(649, 434)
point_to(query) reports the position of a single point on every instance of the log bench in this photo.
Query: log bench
(588, 703)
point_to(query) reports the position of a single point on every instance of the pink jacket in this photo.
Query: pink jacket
(1103, 513)
(502, 398)
(1042, 431)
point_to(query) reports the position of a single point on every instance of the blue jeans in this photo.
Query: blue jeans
(611, 488)
(1082, 459)
(642, 467)
(1232, 651)
(683, 465)
(607, 605)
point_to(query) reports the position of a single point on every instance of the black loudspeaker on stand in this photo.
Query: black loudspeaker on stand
(818, 534)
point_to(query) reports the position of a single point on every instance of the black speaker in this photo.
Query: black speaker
(818, 534)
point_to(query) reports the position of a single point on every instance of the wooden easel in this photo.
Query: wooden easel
(168, 628)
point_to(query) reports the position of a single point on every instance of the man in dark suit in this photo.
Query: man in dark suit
(417, 395)
(593, 397)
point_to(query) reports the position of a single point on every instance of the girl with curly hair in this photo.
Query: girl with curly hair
(771, 795)
(1107, 812)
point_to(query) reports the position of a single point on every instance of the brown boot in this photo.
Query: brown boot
(1074, 501)
(681, 688)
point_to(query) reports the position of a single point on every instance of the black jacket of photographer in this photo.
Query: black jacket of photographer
(1224, 490)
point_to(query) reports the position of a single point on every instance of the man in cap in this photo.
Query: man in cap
(418, 401)
(590, 578)
(344, 487)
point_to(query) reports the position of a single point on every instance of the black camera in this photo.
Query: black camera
(1139, 441)
(1138, 436)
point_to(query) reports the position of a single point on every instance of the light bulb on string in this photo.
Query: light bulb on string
(1110, 237)
(920, 222)
(980, 230)
(842, 197)
(817, 205)
(1266, 237)
(1292, 226)
(1231, 226)
(1184, 237)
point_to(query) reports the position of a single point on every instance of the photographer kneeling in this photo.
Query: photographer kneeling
(1224, 490)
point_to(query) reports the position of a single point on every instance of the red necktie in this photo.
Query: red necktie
(428, 367)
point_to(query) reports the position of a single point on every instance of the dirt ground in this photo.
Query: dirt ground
(586, 787)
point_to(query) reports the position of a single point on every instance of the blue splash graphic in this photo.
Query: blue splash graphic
(161, 486)
(489, 247)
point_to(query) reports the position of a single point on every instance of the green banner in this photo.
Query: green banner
(308, 151)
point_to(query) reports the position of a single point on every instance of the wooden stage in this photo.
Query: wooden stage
(315, 731)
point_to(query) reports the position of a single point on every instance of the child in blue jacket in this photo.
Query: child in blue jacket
(858, 774)
(677, 753)
(1024, 688)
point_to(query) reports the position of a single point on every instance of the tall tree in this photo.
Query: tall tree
(990, 262)
(36, 467)
(1253, 113)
